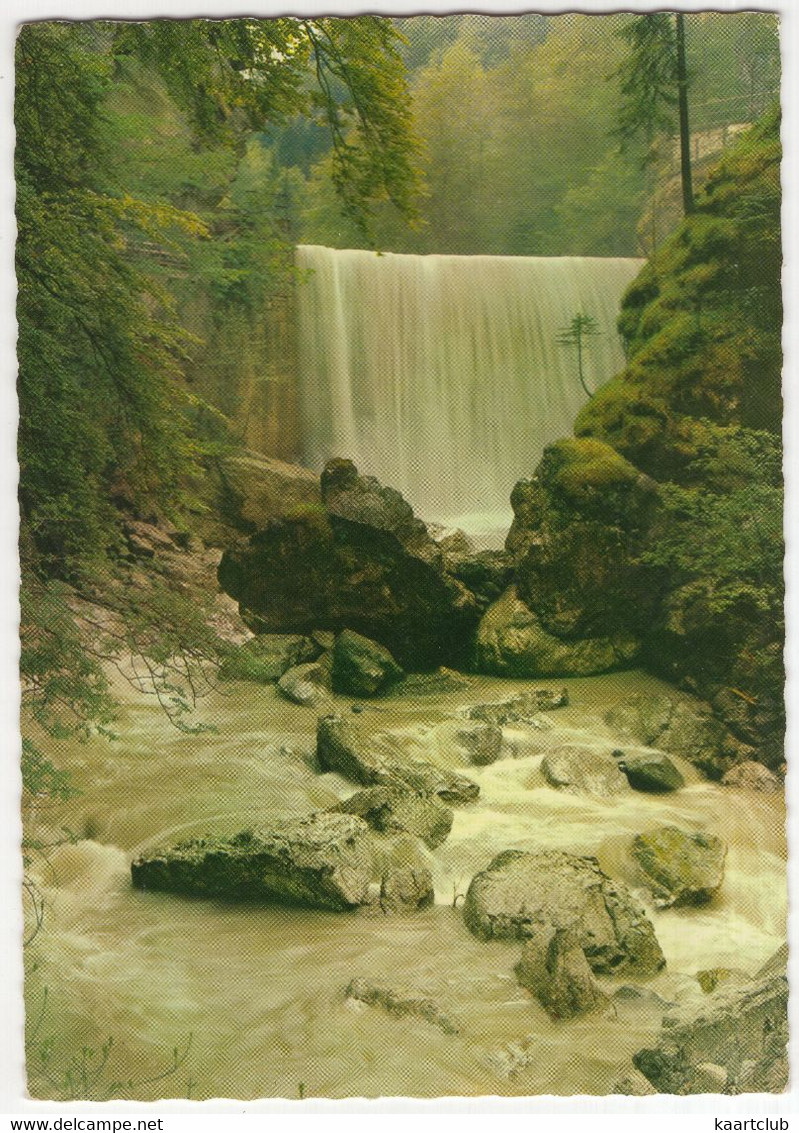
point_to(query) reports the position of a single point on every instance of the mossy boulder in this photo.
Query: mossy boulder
(359, 561)
(582, 573)
(389, 809)
(680, 868)
(266, 657)
(511, 642)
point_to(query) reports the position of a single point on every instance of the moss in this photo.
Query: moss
(581, 466)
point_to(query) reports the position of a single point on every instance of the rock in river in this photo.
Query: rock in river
(342, 746)
(680, 868)
(522, 893)
(580, 769)
(650, 771)
(326, 861)
(555, 969)
(389, 809)
(732, 1042)
(362, 667)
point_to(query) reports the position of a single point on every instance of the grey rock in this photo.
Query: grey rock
(651, 771)
(751, 776)
(685, 728)
(733, 1041)
(680, 868)
(521, 893)
(584, 770)
(401, 1003)
(325, 861)
(391, 809)
(362, 667)
(482, 743)
(254, 488)
(305, 685)
(554, 968)
(342, 746)
(633, 1084)
(365, 501)
(521, 709)
(407, 888)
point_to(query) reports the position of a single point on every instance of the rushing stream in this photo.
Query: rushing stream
(260, 990)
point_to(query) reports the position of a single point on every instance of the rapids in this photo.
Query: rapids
(259, 990)
(455, 357)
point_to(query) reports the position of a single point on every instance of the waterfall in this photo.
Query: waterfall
(443, 375)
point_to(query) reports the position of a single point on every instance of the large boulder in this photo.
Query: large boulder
(341, 745)
(555, 969)
(266, 657)
(362, 667)
(512, 642)
(734, 1041)
(522, 893)
(580, 769)
(389, 809)
(590, 509)
(360, 561)
(326, 861)
(253, 489)
(680, 868)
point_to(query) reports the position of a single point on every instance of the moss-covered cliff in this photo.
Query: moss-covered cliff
(679, 543)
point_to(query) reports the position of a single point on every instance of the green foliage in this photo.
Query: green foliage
(702, 322)
(648, 77)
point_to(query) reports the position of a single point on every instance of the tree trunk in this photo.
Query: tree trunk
(685, 134)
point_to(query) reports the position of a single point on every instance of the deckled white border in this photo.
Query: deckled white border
(571, 1112)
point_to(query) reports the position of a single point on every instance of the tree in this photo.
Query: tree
(653, 80)
(581, 327)
(105, 412)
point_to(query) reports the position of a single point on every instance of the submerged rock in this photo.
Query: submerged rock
(555, 969)
(522, 893)
(342, 746)
(362, 667)
(266, 657)
(391, 809)
(751, 776)
(512, 642)
(521, 709)
(732, 1042)
(442, 680)
(401, 1004)
(581, 769)
(651, 771)
(680, 868)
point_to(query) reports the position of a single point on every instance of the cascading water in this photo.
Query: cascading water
(443, 375)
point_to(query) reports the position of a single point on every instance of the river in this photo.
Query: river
(258, 991)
